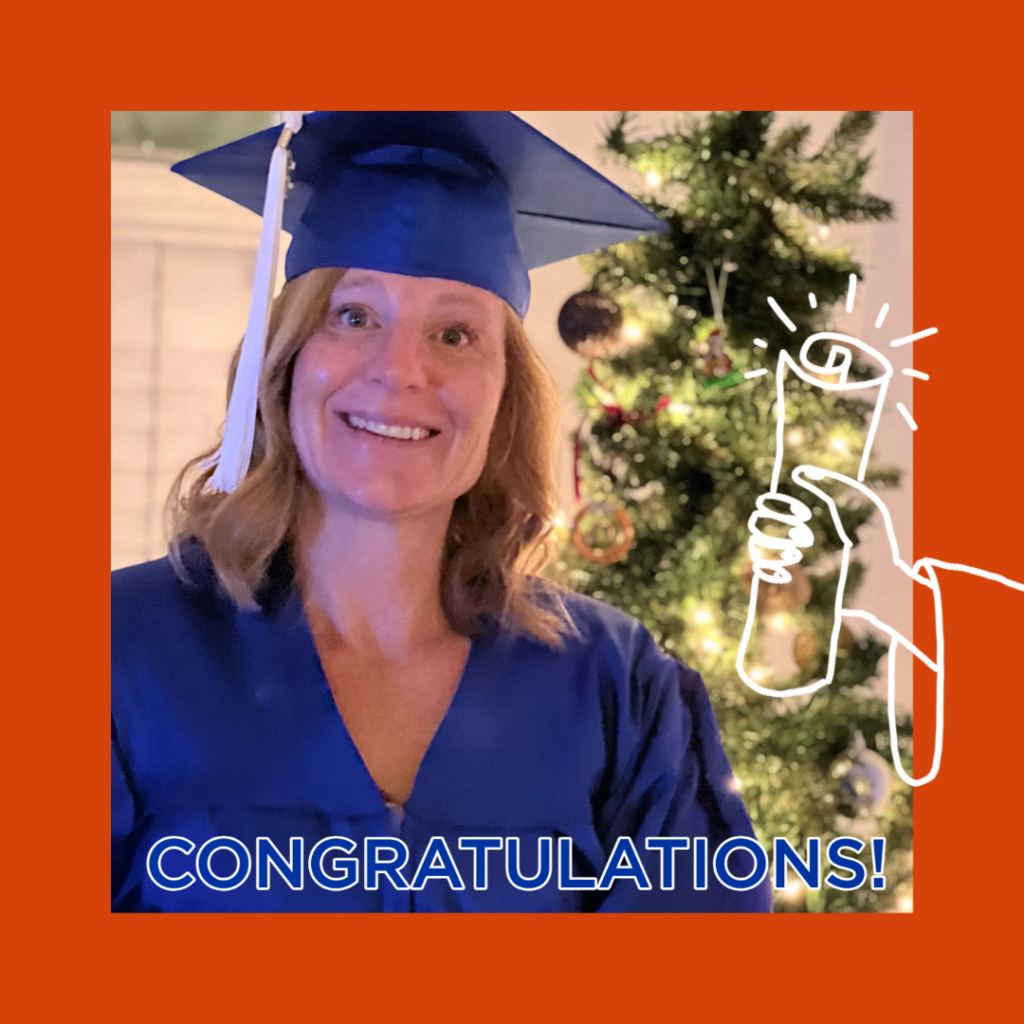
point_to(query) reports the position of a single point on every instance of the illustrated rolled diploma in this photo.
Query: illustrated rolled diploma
(773, 555)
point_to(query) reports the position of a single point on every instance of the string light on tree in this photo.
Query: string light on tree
(632, 330)
(840, 445)
(703, 615)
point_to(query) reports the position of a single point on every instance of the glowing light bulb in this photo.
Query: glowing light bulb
(793, 891)
(654, 179)
(633, 331)
(760, 673)
(711, 646)
(796, 437)
(840, 445)
(703, 616)
(778, 622)
(905, 904)
(558, 520)
(735, 785)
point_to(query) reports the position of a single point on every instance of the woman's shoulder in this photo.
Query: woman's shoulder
(614, 643)
(148, 597)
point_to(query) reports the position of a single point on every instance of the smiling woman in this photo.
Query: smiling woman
(320, 370)
(348, 643)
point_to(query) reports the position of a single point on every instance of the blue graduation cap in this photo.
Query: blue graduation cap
(477, 196)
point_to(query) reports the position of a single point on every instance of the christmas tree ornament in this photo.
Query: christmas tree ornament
(779, 597)
(716, 366)
(716, 363)
(865, 781)
(589, 323)
(806, 650)
(602, 532)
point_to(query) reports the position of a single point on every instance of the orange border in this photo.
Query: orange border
(75, 954)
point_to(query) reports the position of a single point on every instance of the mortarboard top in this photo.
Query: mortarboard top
(476, 196)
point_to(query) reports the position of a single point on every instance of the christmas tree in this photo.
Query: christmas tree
(676, 446)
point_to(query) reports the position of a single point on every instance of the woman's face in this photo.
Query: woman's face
(393, 400)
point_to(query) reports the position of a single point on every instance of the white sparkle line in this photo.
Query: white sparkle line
(755, 373)
(881, 315)
(906, 415)
(760, 343)
(813, 300)
(851, 293)
(911, 337)
(918, 374)
(782, 316)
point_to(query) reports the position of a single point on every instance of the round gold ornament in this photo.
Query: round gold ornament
(779, 597)
(805, 649)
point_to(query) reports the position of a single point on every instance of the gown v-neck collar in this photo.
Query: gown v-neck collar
(355, 789)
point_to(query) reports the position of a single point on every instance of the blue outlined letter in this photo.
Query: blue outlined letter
(613, 870)
(391, 868)
(268, 856)
(809, 872)
(348, 866)
(437, 850)
(516, 877)
(154, 868)
(566, 879)
(223, 883)
(480, 845)
(700, 862)
(668, 846)
(757, 873)
(837, 860)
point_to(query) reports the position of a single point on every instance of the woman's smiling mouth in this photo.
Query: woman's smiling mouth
(393, 431)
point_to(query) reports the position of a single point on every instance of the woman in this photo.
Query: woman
(343, 690)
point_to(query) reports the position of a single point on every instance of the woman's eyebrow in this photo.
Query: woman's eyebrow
(452, 299)
(356, 281)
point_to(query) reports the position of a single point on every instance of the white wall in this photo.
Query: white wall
(181, 265)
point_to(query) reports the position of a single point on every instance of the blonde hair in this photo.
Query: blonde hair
(499, 532)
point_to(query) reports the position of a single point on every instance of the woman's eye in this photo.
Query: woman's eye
(351, 316)
(457, 334)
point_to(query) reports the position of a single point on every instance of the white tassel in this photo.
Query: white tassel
(240, 424)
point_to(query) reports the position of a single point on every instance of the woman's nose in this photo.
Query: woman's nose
(399, 358)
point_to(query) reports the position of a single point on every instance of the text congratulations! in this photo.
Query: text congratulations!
(334, 863)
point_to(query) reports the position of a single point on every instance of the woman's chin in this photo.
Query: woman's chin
(385, 504)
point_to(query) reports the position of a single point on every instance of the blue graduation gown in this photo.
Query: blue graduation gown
(223, 724)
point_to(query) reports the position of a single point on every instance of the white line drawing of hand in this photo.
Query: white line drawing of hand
(774, 570)
(799, 536)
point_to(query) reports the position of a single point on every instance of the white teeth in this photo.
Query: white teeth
(401, 433)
